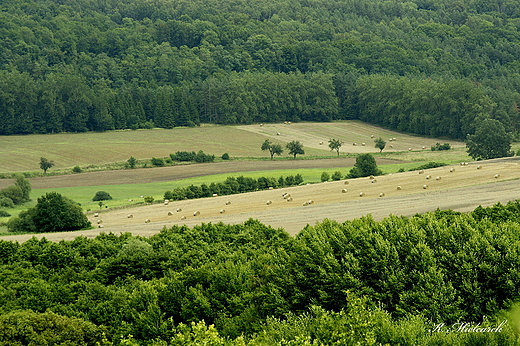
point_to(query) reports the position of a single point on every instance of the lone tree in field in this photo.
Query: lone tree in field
(380, 144)
(52, 213)
(295, 148)
(132, 161)
(490, 141)
(45, 164)
(335, 144)
(272, 148)
(365, 165)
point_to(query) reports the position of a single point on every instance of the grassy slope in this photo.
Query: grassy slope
(22, 153)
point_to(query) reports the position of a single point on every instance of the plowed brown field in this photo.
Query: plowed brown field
(463, 189)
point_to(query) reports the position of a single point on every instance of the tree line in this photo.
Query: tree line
(359, 281)
(434, 68)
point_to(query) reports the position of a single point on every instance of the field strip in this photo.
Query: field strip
(461, 188)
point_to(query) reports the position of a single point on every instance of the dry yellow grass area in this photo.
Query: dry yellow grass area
(353, 133)
(455, 187)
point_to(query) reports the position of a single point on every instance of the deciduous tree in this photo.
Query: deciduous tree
(272, 148)
(335, 144)
(45, 164)
(295, 148)
(489, 141)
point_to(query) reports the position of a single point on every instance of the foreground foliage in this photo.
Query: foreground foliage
(360, 281)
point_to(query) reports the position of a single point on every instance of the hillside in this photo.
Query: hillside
(99, 150)
(427, 67)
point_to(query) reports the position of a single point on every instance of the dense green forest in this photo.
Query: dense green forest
(360, 282)
(433, 67)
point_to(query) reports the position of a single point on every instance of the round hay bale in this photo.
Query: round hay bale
(289, 199)
(371, 136)
(170, 213)
(497, 176)
(346, 182)
(96, 214)
(277, 133)
(382, 194)
(354, 144)
(394, 139)
(390, 139)
(399, 188)
(344, 191)
(305, 204)
(438, 178)
(99, 221)
(269, 202)
(183, 217)
(425, 187)
(228, 202)
(371, 177)
(428, 176)
(361, 194)
(423, 147)
(129, 216)
(452, 169)
(391, 146)
(310, 201)
(196, 213)
(479, 167)
(146, 220)
(101, 226)
(222, 211)
(363, 144)
(409, 149)
(215, 195)
(421, 171)
(166, 202)
(178, 210)
(374, 181)
(321, 143)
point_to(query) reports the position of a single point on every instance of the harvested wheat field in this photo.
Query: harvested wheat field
(457, 187)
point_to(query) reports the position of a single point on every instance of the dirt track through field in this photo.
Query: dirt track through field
(171, 173)
(462, 189)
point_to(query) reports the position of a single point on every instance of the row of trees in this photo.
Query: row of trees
(359, 281)
(294, 148)
(231, 186)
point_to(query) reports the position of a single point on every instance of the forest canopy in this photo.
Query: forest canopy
(432, 67)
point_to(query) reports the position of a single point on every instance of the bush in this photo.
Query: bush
(52, 213)
(77, 169)
(3, 213)
(325, 176)
(6, 202)
(225, 156)
(132, 161)
(201, 157)
(337, 176)
(183, 156)
(438, 146)
(13, 192)
(157, 161)
(148, 199)
(365, 165)
(101, 196)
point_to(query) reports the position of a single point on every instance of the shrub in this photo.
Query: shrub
(183, 156)
(325, 176)
(13, 192)
(132, 161)
(201, 157)
(337, 176)
(102, 196)
(149, 199)
(438, 146)
(298, 179)
(6, 202)
(365, 165)
(225, 156)
(3, 213)
(157, 161)
(77, 169)
(52, 213)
